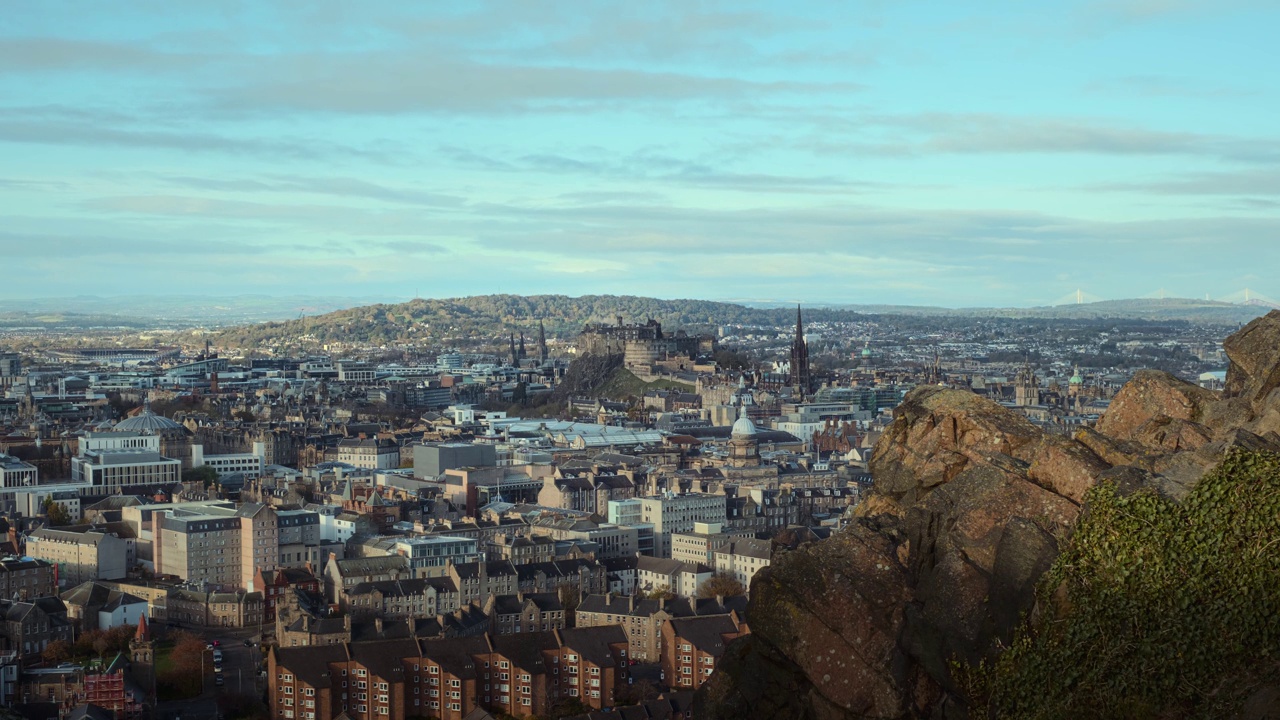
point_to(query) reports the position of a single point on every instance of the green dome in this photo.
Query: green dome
(866, 352)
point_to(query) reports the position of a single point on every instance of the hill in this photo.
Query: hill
(493, 316)
(488, 316)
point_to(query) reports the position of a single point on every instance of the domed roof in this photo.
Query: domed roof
(743, 428)
(866, 352)
(148, 422)
(1076, 379)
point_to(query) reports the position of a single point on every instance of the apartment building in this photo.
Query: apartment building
(215, 543)
(642, 619)
(81, 556)
(27, 578)
(692, 647)
(742, 559)
(450, 678)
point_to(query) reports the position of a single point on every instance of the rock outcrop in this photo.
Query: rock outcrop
(970, 506)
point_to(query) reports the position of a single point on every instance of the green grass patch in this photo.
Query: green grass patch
(622, 384)
(1155, 608)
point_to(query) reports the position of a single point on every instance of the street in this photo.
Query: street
(239, 674)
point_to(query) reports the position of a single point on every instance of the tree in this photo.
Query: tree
(56, 513)
(570, 598)
(183, 677)
(662, 592)
(245, 416)
(57, 651)
(203, 474)
(721, 584)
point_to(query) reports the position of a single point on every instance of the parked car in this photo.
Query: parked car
(248, 642)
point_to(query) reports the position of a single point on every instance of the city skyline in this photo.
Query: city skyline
(895, 153)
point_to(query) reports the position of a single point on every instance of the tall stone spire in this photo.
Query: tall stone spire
(515, 359)
(542, 342)
(800, 380)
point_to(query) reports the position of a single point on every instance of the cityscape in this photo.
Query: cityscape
(577, 361)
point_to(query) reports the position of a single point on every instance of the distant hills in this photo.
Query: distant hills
(250, 318)
(185, 309)
(494, 315)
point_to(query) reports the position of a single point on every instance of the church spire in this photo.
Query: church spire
(542, 342)
(800, 380)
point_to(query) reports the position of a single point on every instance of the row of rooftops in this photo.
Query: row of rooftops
(457, 657)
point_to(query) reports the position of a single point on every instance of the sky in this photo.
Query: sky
(905, 152)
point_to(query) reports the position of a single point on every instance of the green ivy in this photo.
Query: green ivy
(1155, 608)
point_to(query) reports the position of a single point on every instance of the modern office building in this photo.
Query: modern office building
(113, 461)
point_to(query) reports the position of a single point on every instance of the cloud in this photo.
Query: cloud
(51, 131)
(427, 82)
(939, 133)
(651, 167)
(128, 249)
(332, 186)
(55, 54)
(1264, 181)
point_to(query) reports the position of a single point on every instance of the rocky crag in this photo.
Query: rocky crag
(972, 505)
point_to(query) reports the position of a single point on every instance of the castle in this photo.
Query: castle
(641, 345)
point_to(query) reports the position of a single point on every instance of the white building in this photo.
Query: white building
(372, 453)
(681, 578)
(16, 473)
(671, 513)
(335, 526)
(700, 544)
(350, 371)
(248, 464)
(742, 559)
(116, 460)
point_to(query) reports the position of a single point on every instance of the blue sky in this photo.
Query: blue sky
(950, 153)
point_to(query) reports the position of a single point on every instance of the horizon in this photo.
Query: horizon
(344, 302)
(868, 154)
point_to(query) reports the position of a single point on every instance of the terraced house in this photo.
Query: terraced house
(448, 678)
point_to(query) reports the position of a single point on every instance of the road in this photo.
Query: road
(239, 672)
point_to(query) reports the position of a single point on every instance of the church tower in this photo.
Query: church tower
(799, 379)
(522, 354)
(142, 657)
(542, 342)
(515, 359)
(1027, 392)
